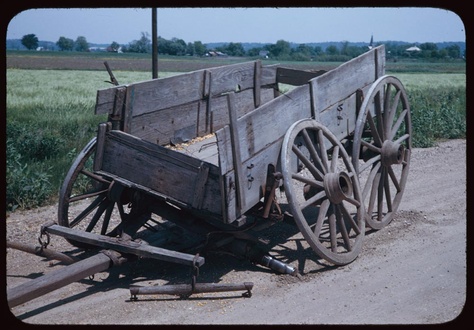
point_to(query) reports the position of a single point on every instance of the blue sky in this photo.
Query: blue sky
(300, 25)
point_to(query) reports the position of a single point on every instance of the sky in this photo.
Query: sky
(263, 25)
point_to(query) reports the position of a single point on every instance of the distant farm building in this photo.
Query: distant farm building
(263, 53)
(413, 49)
(97, 49)
(214, 53)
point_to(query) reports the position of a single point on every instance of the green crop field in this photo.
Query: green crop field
(50, 113)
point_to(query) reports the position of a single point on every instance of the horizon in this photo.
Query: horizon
(261, 25)
(291, 42)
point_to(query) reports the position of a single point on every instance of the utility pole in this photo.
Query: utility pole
(154, 44)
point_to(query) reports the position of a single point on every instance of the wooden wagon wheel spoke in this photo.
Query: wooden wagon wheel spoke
(87, 201)
(373, 130)
(314, 155)
(309, 165)
(312, 182)
(334, 158)
(349, 219)
(370, 180)
(326, 204)
(322, 148)
(86, 195)
(380, 194)
(394, 179)
(386, 94)
(86, 211)
(379, 114)
(97, 178)
(370, 146)
(390, 114)
(399, 122)
(312, 200)
(108, 214)
(341, 228)
(332, 230)
(323, 210)
(98, 213)
(382, 142)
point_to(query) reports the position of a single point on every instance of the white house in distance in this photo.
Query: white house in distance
(413, 49)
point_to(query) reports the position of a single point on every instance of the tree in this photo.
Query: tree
(235, 49)
(304, 49)
(65, 43)
(255, 51)
(178, 47)
(143, 45)
(81, 44)
(332, 50)
(199, 48)
(30, 41)
(114, 46)
(279, 50)
(454, 51)
(190, 49)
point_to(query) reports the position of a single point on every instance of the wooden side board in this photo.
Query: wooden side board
(163, 172)
(182, 107)
(330, 98)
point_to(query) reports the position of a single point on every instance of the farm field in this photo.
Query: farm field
(142, 62)
(51, 97)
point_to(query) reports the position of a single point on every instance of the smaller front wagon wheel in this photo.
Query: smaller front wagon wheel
(322, 189)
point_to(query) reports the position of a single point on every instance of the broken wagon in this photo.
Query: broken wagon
(223, 150)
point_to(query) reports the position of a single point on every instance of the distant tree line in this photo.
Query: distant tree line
(281, 50)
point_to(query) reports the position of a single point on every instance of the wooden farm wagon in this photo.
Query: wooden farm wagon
(221, 149)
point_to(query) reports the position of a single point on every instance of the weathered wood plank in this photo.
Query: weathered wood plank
(244, 103)
(235, 145)
(255, 171)
(296, 77)
(150, 166)
(257, 81)
(57, 279)
(156, 94)
(337, 84)
(234, 77)
(199, 186)
(116, 244)
(156, 110)
(188, 121)
(263, 126)
(104, 101)
(165, 93)
(176, 124)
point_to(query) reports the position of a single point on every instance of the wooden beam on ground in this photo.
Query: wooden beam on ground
(124, 246)
(57, 279)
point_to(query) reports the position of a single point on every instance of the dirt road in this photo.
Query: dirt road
(411, 272)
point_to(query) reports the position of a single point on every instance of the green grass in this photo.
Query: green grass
(50, 118)
(417, 81)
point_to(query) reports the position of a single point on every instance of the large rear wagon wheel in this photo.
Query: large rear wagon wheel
(322, 190)
(381, 149)
(90, 202)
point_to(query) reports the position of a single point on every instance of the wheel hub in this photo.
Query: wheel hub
(338, 186)
(392, 153)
